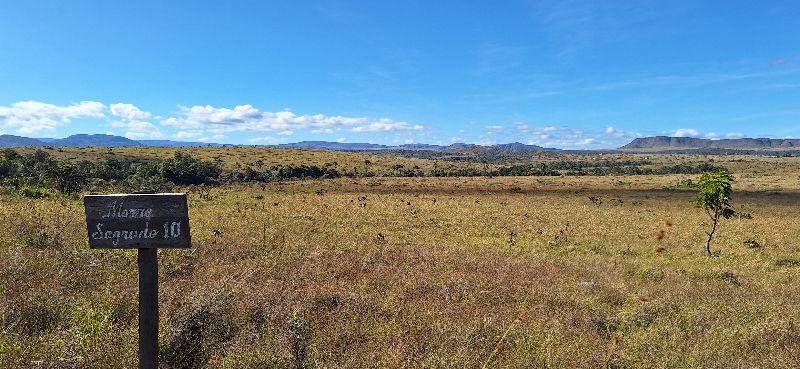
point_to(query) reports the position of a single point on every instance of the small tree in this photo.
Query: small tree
(714, 196)
(366, 167)
(65, 177)
(184, 169)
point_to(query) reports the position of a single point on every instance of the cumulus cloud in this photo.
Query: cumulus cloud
(522, 127)
(326, 131)
(386, 125)
(143, 130)
(247, 118)
(135, 121)
(188, 134)
(615, 132)
(538, 134)
(128, 111)
(572, 138)
(30, 117)
(686, 132)
(264, 139)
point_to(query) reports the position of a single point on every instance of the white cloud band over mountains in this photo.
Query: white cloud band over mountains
(209, 123)
(34, 117)
(249, 119)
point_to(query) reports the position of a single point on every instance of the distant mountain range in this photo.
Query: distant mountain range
(345, 146)
(644, 144)
(99, 140)
(17, 141)
(682, 143)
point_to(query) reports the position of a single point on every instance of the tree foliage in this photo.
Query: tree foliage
(184, 169)
(714, 196)
(39, 169)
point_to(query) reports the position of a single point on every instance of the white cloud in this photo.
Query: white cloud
(686, 132)
(619, 133)
(734, 135)
(386, 125)
(494, 127)
(143, 130)
(188, 134)
(128, 111)
(286, 133)
(249, 119)
(34, 116)
(265, 139)
(245, 118)
(535, 130)
(326, 131)
(572, 138)
(615, 132)
(135, 121)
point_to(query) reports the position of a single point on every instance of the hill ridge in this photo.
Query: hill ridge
(668, 142)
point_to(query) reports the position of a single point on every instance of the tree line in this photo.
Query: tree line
(37, 172)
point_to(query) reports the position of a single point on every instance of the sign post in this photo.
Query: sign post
(145, 222)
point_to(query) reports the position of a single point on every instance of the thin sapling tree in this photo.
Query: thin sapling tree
(714, 196)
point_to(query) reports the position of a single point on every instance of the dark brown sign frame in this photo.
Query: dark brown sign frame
(138, 221)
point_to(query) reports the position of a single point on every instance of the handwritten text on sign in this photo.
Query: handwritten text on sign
(138, 220)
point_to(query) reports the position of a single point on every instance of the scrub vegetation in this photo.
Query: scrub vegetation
(369, 268)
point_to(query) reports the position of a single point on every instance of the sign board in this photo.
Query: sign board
(138, 221)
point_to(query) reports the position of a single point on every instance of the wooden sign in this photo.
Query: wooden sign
(145, 222)
(138, 221)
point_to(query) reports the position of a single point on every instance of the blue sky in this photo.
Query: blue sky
(567, 74)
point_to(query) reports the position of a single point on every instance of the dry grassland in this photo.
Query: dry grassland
(423, 272)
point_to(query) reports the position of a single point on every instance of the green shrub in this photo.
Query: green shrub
(35, 193)
(183, 169)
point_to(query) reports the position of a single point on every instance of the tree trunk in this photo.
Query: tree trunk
(711, 235)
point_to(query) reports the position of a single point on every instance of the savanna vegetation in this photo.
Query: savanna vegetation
(360, 266)
(40, 173)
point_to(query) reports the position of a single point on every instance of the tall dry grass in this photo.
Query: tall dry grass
(408, 273)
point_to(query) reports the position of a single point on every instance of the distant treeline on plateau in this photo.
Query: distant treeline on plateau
(39, 174)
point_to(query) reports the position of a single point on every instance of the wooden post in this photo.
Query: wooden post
(144, 221)
(148, 308)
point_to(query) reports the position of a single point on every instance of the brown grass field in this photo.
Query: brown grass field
(511, 272)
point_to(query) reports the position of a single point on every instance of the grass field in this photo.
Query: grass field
(421, 272)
